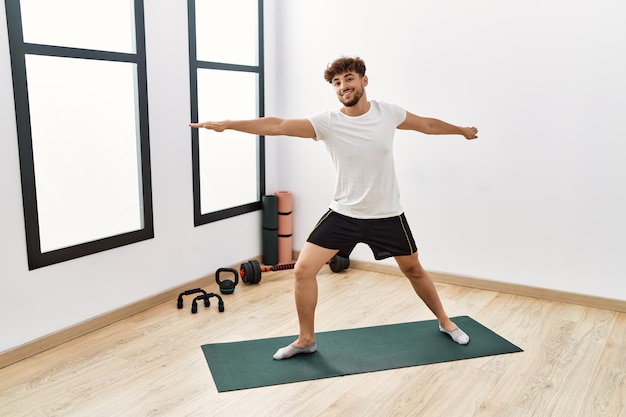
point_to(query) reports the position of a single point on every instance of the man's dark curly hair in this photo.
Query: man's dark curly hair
(342, 65)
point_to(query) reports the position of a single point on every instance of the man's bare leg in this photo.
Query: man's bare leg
(425, 289)
(311, 259)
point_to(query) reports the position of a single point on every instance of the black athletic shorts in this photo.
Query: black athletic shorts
(386, 237)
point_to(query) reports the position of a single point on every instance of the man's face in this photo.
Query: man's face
(349, 87)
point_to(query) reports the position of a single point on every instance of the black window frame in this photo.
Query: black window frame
(204, 218)
(18, 51)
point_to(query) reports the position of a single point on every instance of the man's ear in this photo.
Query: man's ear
(365, 80)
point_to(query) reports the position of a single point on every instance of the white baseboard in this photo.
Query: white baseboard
(504, 287)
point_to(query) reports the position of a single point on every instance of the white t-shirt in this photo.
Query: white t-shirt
(362, 151)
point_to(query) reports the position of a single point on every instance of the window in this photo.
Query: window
(79, 77)
(226, 64)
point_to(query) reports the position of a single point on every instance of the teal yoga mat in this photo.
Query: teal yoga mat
(270, 229)
(249, 364)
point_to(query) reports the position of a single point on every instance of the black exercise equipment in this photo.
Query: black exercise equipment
(179, 302)
(227, 286)
(339, 263)
(251, 271)
(206, 297)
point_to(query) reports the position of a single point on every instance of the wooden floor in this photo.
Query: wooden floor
(573, 364)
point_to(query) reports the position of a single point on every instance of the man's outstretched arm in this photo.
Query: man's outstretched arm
(432, 126)
(266, 126)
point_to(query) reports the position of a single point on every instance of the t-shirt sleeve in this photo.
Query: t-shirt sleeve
(399, 113)
(321, 123)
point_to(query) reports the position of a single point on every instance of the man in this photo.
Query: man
(366, 205)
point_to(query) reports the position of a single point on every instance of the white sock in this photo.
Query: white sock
(457, 335)
(291, 350)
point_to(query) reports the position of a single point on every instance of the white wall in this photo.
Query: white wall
(540, 198)
(36, 303)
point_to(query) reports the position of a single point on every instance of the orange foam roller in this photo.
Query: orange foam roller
(285, 225)
(285, 201)
(285, 253)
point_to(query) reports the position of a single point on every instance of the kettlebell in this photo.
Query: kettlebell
(227, 286)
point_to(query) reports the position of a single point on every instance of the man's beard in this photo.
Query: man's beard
(355, 99)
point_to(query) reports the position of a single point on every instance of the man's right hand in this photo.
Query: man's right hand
(216, 126)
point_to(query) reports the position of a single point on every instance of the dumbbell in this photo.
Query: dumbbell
(250, 271)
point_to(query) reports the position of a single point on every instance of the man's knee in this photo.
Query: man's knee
(312, 258)
(411, 267)
(306, 270)
(414, 272)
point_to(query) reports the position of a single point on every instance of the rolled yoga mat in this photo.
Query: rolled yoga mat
(270, 229)
(285, 226)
